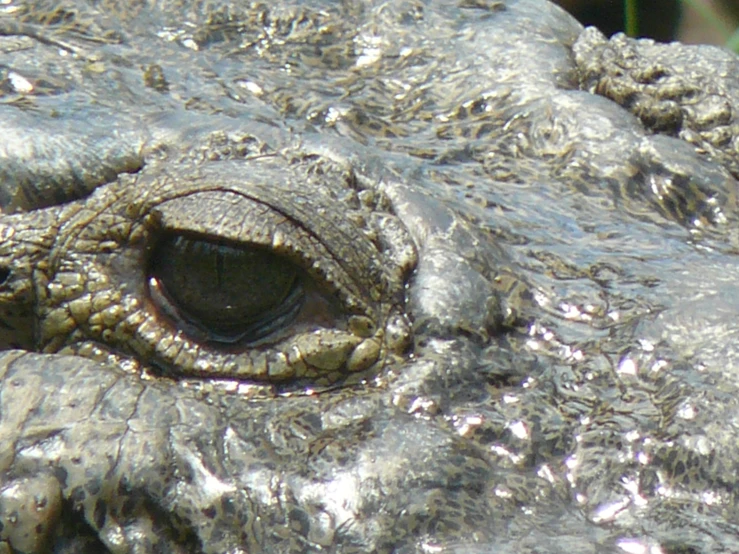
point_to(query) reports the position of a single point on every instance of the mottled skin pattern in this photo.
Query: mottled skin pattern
(515, 242)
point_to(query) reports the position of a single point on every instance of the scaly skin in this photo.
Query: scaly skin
(516, 328)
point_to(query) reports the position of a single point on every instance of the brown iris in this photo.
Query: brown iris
(231, 293)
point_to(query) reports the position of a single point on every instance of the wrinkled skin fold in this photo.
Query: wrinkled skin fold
(509, 324)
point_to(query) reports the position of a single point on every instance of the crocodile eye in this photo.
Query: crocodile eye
(250, 281)
(225, 293)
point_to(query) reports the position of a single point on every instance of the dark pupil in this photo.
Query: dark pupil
(230, 292)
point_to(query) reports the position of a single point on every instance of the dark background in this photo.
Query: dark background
(663, 20)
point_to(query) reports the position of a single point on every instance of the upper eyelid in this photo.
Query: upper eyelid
(283, 236)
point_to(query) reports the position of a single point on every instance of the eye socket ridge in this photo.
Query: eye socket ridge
(222, 292)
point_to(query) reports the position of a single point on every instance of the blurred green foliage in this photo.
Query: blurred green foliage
(631, 21)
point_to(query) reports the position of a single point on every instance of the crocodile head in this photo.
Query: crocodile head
(357, 277)
(278, 336)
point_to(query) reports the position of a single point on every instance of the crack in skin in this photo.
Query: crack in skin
(518, 243)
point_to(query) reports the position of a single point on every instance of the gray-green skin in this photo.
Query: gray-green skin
(526, 334)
